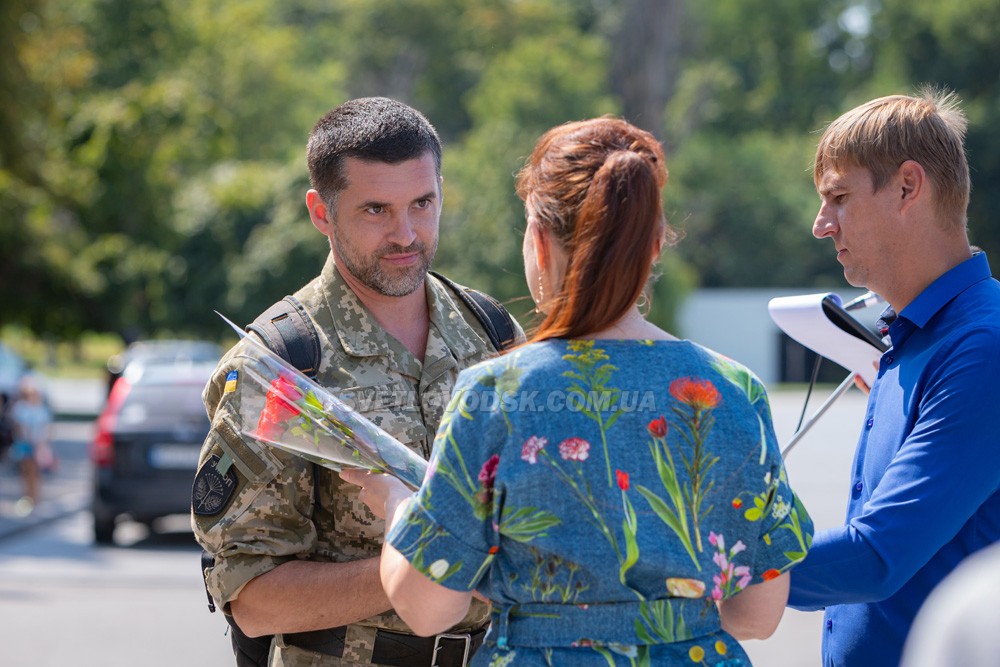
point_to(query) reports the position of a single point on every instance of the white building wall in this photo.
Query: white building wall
(735, 322)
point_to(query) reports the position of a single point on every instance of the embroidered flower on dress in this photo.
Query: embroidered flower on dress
(531, 447)
(731, 578)
(699, 394)
(622, 478)
(574, 449)
(658, 427)
(685, 588)
(780, 509)
(438, 568)
(630, 651)
(487, 476)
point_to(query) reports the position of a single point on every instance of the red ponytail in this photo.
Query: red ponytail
(595, 187)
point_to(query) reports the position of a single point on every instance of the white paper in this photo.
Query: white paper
(803, 319)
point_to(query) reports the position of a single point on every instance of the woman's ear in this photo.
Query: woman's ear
(543, 253)
(661, 239)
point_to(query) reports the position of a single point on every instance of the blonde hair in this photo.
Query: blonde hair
(882, 134)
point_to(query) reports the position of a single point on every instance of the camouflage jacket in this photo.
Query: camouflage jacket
(270, 515)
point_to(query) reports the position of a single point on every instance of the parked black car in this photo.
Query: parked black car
(145, 451)
(162, 351)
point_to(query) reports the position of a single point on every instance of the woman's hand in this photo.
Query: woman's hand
(380, 492)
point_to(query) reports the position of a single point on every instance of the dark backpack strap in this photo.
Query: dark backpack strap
(288, 330)
(495, 319)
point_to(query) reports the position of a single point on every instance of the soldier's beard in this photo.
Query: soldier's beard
(389, 281)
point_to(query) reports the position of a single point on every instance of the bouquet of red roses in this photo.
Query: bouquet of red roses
(287, 410)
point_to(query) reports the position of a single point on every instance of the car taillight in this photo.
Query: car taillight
(102, 449)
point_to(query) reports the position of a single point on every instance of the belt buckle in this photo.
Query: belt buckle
(467, 638)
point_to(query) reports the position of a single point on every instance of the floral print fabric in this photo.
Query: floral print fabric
(581, 476)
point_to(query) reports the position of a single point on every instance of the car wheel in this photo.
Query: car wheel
(104, 529)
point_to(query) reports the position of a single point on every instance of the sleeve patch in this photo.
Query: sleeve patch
(212, 490)
(231, 378)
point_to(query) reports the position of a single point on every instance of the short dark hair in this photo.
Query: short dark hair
(376, 129)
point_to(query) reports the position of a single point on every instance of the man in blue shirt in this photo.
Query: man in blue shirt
(894, 187)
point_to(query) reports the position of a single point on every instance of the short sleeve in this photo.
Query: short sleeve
(786, 529)
(446, 531)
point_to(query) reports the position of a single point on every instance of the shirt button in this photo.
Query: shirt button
(858, 487)
(888, 360)
(870, 423)
(829, 625)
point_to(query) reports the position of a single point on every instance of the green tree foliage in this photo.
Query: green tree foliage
(152, 151)
(540, 82)
(953, 45)
(749, 197)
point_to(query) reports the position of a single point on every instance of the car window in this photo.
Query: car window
(161, 403)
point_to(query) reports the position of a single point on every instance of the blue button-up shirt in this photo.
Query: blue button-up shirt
(925, 491)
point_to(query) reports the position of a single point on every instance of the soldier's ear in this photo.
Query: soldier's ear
(319, 213)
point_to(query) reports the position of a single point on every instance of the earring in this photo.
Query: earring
(541, 295)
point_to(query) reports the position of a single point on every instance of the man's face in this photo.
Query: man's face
(864, 225)
(384, 224)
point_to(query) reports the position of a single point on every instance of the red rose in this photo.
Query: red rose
(278, 408)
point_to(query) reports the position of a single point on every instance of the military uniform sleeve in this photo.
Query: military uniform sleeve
(447, 532)
(251, 504)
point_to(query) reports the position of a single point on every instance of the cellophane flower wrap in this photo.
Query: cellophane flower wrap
(287, 410)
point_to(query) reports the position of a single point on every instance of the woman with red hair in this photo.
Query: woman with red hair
(616, 492)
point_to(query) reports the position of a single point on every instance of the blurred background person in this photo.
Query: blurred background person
(31, 450)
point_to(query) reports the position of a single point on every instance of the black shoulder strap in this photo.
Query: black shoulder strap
(290, 333)
(495, 319)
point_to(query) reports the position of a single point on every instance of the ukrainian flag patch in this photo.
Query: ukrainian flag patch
(231, 378)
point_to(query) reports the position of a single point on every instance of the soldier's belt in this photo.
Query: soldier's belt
(396, 649)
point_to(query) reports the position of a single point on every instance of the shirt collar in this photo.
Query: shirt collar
(945, 288)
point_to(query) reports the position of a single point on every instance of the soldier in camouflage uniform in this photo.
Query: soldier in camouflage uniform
(295, 552)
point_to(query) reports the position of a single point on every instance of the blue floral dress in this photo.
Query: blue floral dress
(604, 494)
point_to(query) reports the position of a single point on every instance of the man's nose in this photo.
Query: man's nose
(403, 230)
(824, 225)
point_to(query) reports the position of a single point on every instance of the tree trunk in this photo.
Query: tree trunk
(648, 48)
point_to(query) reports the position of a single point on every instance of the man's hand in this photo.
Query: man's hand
(861, 384)
(382, 493)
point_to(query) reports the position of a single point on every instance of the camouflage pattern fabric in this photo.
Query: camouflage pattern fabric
(273, 495)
